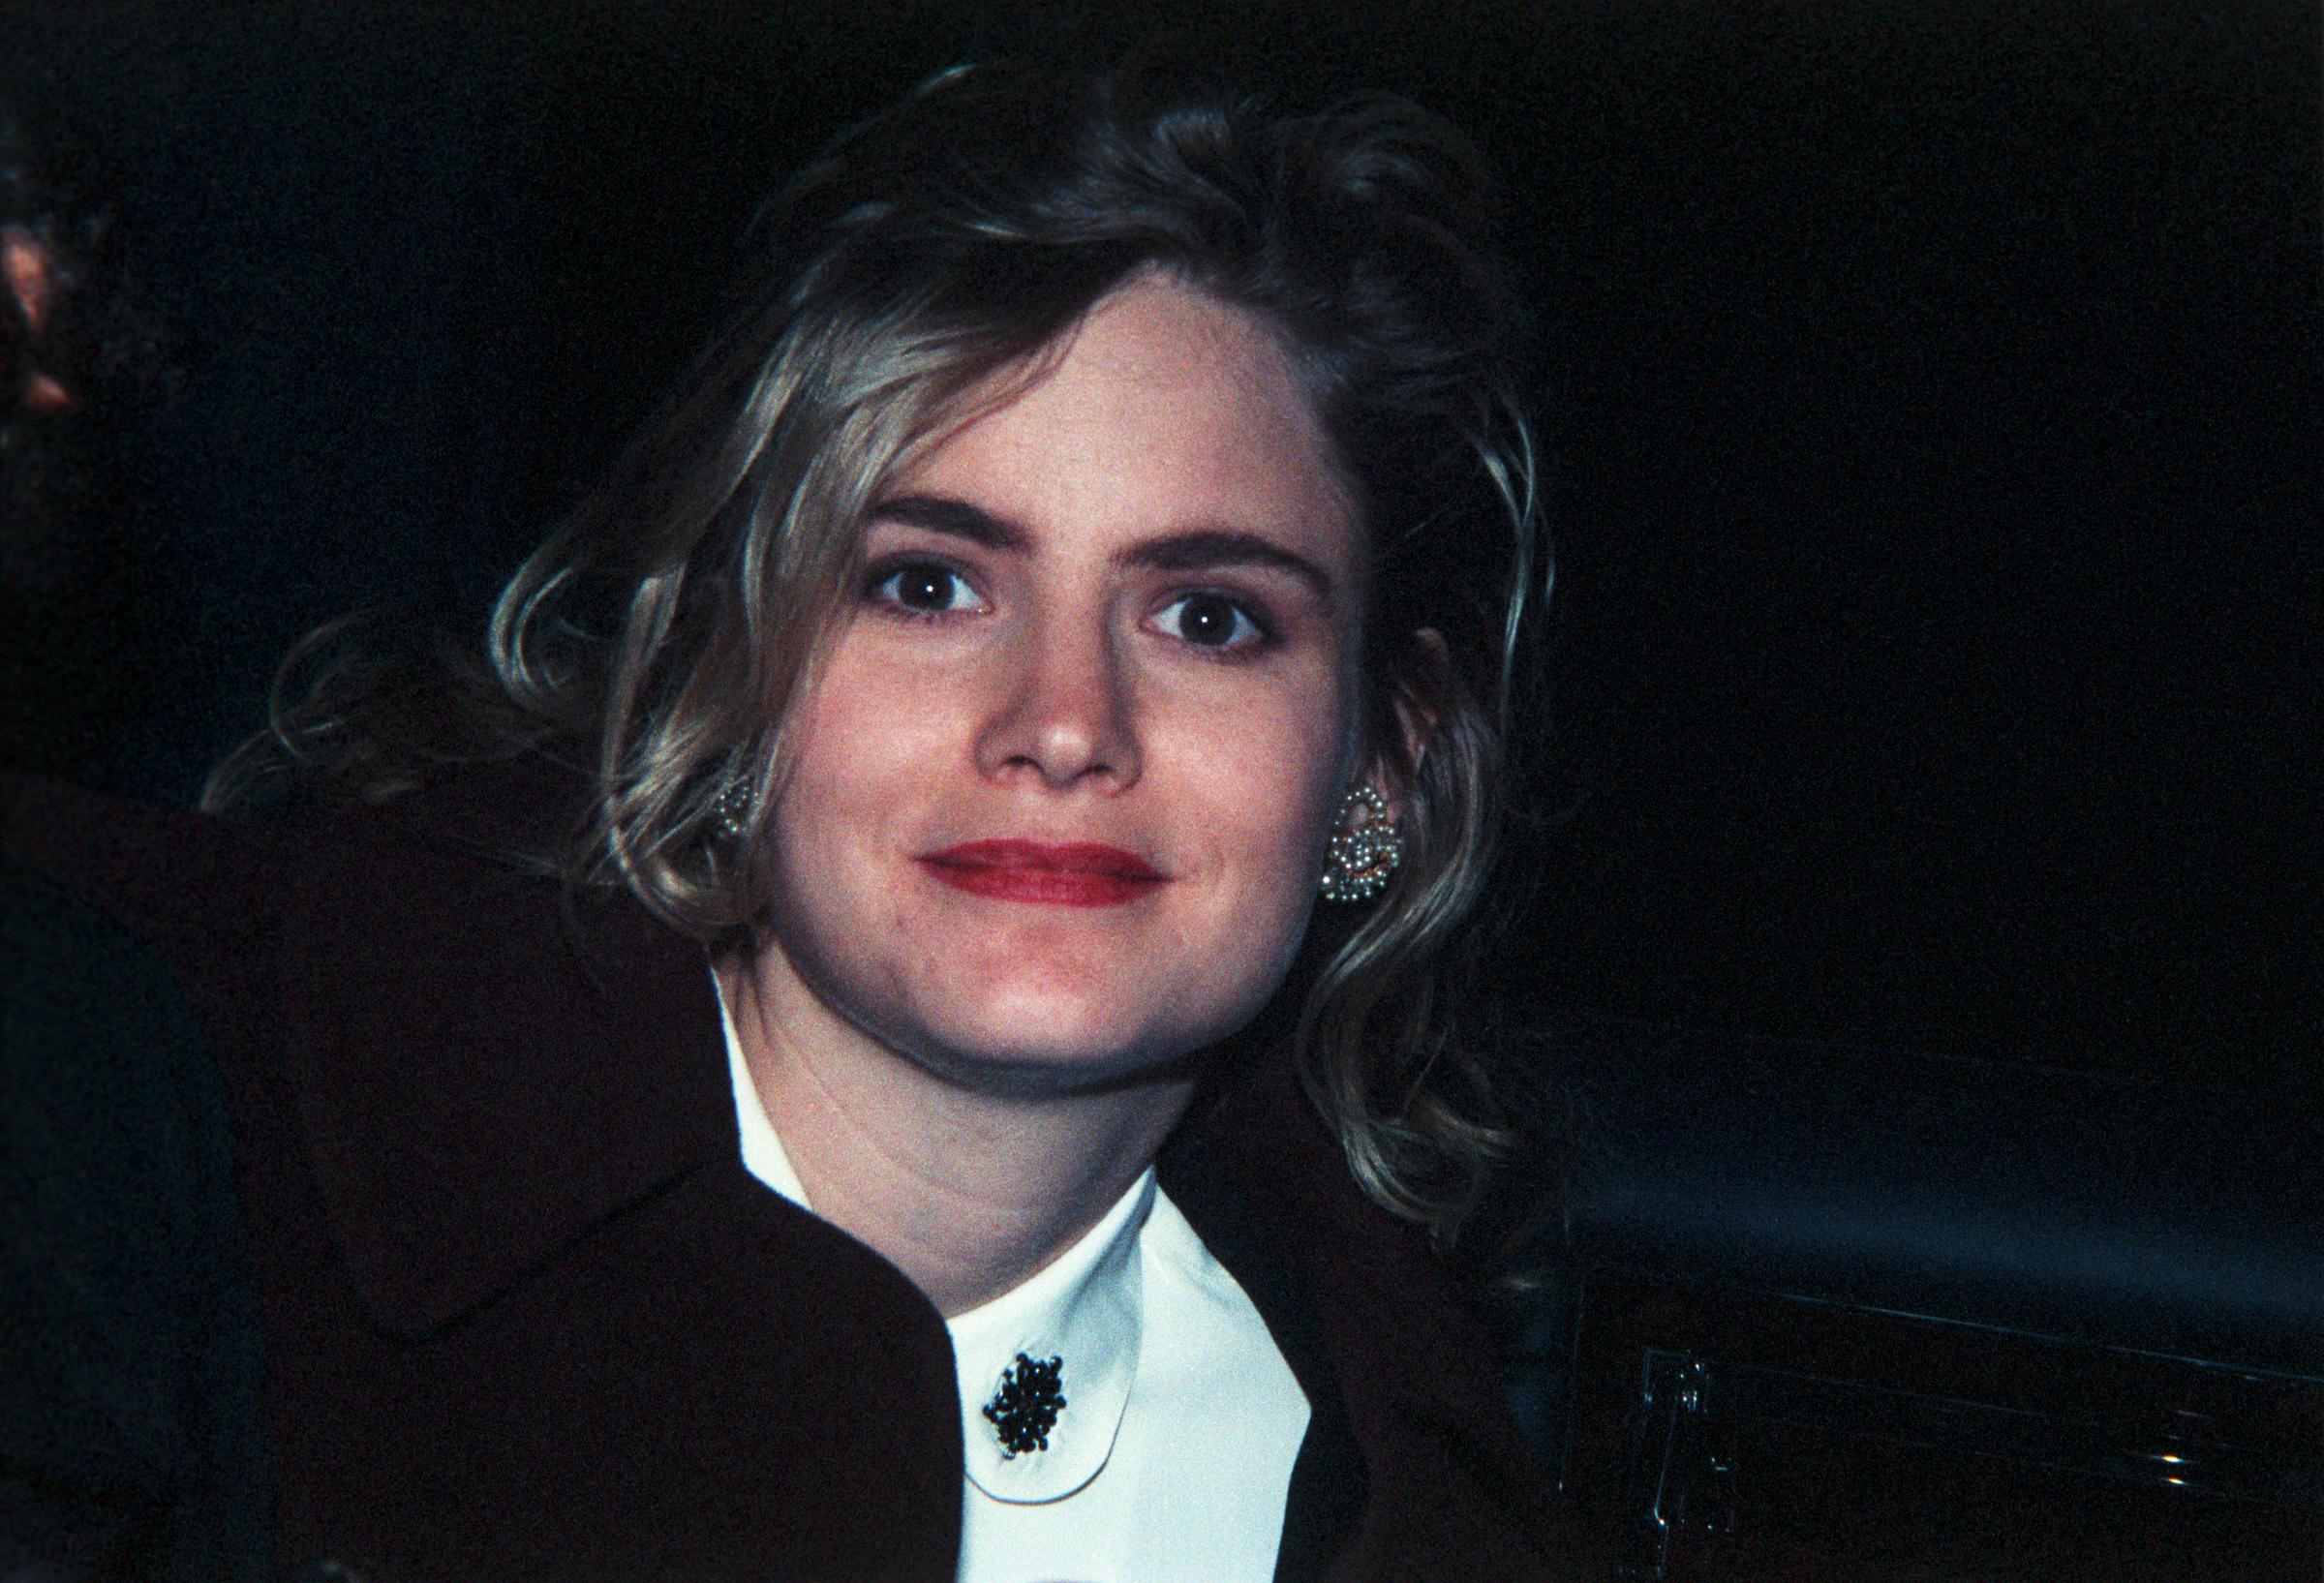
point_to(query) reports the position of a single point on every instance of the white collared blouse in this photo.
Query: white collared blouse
(1167, 1439)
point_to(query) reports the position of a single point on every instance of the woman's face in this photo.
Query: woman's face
(1059, 793)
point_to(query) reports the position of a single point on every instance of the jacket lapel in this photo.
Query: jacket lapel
(482, 1066)
(1327, 1483)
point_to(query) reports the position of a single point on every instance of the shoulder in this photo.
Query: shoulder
(160, 872)
(347, 971)
(1285, 1156)
(216, 894)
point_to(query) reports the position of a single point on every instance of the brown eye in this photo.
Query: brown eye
(1209, 620)
(924, 588)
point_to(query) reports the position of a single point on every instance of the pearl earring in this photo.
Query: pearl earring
(730, 810)
(1364, 848)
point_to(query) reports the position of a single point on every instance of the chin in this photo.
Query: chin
(1037, 1042)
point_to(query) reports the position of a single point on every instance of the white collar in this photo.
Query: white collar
(1085, 1308)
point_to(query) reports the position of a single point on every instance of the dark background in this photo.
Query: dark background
(1930, 396)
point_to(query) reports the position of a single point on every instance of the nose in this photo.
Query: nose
(1062, 708)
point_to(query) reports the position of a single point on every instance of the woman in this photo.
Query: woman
(821, 1064)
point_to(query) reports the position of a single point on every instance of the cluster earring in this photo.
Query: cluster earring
(1364, 848)
(730, 810)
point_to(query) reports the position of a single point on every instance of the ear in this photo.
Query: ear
(1405, 728)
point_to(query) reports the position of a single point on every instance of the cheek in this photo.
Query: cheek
(1275, 822)
(858, 750)
(1262, 794)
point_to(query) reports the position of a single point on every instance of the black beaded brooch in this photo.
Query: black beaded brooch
(1025, 1407)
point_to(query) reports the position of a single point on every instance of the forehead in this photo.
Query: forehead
(1163, 409)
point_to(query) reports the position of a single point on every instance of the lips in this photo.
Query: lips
(1071, 875)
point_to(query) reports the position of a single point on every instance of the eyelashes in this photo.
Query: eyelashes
(1215, 622)
(1217, 625)
(921, 589)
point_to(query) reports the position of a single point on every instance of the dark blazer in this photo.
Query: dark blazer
(526, 1315)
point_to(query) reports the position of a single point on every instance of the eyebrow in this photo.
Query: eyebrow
(942, 514)
(1194, 550)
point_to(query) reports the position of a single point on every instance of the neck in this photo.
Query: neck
(969, 1188)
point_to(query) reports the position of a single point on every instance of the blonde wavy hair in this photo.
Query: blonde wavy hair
(934, 252)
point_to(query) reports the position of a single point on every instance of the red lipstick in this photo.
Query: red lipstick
(1074, 874)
